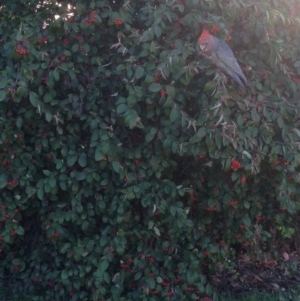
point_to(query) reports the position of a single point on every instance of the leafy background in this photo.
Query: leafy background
(128, 170)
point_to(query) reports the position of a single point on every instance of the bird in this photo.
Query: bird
(222, 56)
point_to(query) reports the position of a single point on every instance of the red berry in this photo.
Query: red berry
(235, 165)
(243, 180)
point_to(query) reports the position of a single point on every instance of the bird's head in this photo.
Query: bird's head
(206, 41)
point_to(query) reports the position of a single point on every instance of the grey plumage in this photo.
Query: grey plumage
(222, 56)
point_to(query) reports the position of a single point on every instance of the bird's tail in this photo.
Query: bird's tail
(241, 81)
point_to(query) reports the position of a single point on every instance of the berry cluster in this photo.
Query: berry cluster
(259, 218)
(246, 244)
(42, 40)
(79, 38)
(214, 208)
(119, 22)
(21, 49)
(281, 161)
(163, 93)
(235, 165)
(233, 203)
(169, 249)
(4, 163)
(215, 29)
(11, 183)
(243, 180)
(90, 18)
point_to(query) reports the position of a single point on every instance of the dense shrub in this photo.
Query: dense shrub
(128, 169)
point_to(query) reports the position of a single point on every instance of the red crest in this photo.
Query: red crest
(205, 34)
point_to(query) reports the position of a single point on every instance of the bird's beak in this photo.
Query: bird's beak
(203, 48)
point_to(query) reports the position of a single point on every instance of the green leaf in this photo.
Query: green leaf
(210, 86)
(81, 176)
(181, 8)
(106, 277)
(150, 135)
(71, 160)
(121, 108)
(247, 154)
(259, 86)
(201, 132)
(3, 83)
(297, 132)
(297, 64)
(121, 67)
(48, 97)
(40, 193)
(98, 154)
(104, 265)
(47, 173)
(157, 31)
(55, 74)
(20, 230)
(16, 261)
(67, 53)
(139, 72)
(48, 117)
(52, 182)
(235, 175)
(116, 166)
(19, 36)
(155, 87)
(170, 91)
(33, 99)
(255, 117)
(19, 122)
(103, 241)
(246, 204)
(2, 95)
(80, 8)
(174, 114)
(82, 160)
(64, 275)
(213, 202)
(75, 48)
(137, 276)
(151, 283)
(246, 220)
(131, 100)
(3, 180)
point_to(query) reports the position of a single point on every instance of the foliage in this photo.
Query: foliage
(128, 171)
(292, 294)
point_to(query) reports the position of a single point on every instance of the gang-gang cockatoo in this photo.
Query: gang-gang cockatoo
(222, 56)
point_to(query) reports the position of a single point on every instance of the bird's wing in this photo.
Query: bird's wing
(228, 62)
